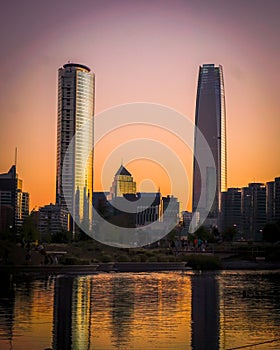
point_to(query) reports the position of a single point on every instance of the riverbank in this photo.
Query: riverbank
(39, 270)
(89, 257)
(249, 265)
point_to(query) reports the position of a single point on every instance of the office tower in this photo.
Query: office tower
(253, 208)
(123, 184)
(231, 209)
(14, 203)
(74, 174)
(210, 119)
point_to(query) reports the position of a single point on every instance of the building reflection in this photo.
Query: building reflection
(141, 311)
(205, 312)
(81, 308)
(72, 315)
(122, 311)
(7, 308)
(62, 315)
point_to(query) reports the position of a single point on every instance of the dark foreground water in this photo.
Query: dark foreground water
(224, 310)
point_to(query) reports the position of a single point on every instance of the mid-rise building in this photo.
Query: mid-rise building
(253, 208)
(231, 209)
(123, 184)
(150, 209)
(270, 201)
(128, 208)
(170, 209)
(14, 203)
(210, 119)
(22, 207)
(186, 220)
(250, 208)
(273, 200)
(52, 219)
(277, 199)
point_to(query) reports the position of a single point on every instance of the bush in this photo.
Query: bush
(106, 258)
(152, 259)
(184, 257)
(136, 258)
(122, 258)
(60, 237)
(143, 258)
(162, 258)
(171, 258)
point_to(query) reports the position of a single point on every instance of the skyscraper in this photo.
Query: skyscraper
(210, 119)
(75, 117)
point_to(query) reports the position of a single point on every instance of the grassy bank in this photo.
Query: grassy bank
(91, 252)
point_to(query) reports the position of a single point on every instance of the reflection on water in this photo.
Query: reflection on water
(205, 312)
(142, 311)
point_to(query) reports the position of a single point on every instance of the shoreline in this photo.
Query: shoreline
(119, 267)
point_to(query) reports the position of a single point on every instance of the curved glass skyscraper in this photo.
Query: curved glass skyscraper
(75, 117)
(210, 119)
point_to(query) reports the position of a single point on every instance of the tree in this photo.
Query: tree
(203, 233)
(30, 228)
(60, 237)
(271, 233)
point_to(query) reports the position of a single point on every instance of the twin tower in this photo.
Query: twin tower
(74, 174)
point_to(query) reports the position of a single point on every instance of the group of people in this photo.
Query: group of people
(48, 258)
(186, 245)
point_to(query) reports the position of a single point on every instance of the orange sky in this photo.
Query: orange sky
(146, 51)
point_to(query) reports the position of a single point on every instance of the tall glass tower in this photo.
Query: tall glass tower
(210, 119)
(75, 117)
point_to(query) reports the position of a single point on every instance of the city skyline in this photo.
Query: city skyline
(137, 57)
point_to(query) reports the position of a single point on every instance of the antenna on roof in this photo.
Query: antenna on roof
(16, 156)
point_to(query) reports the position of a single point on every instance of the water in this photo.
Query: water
(223, 310)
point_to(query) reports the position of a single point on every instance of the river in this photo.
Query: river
(173, 310)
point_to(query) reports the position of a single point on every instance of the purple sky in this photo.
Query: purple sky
(140, 51)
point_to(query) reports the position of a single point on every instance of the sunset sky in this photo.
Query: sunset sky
(140, 51)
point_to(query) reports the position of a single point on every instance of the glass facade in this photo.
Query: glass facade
(75, 111)
(123, 183)
(210, 119)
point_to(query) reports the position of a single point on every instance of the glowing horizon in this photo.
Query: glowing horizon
(139, 51)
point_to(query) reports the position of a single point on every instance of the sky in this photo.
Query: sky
(140, 51)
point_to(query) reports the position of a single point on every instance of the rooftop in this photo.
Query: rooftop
(123, 171)
(76, 65)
